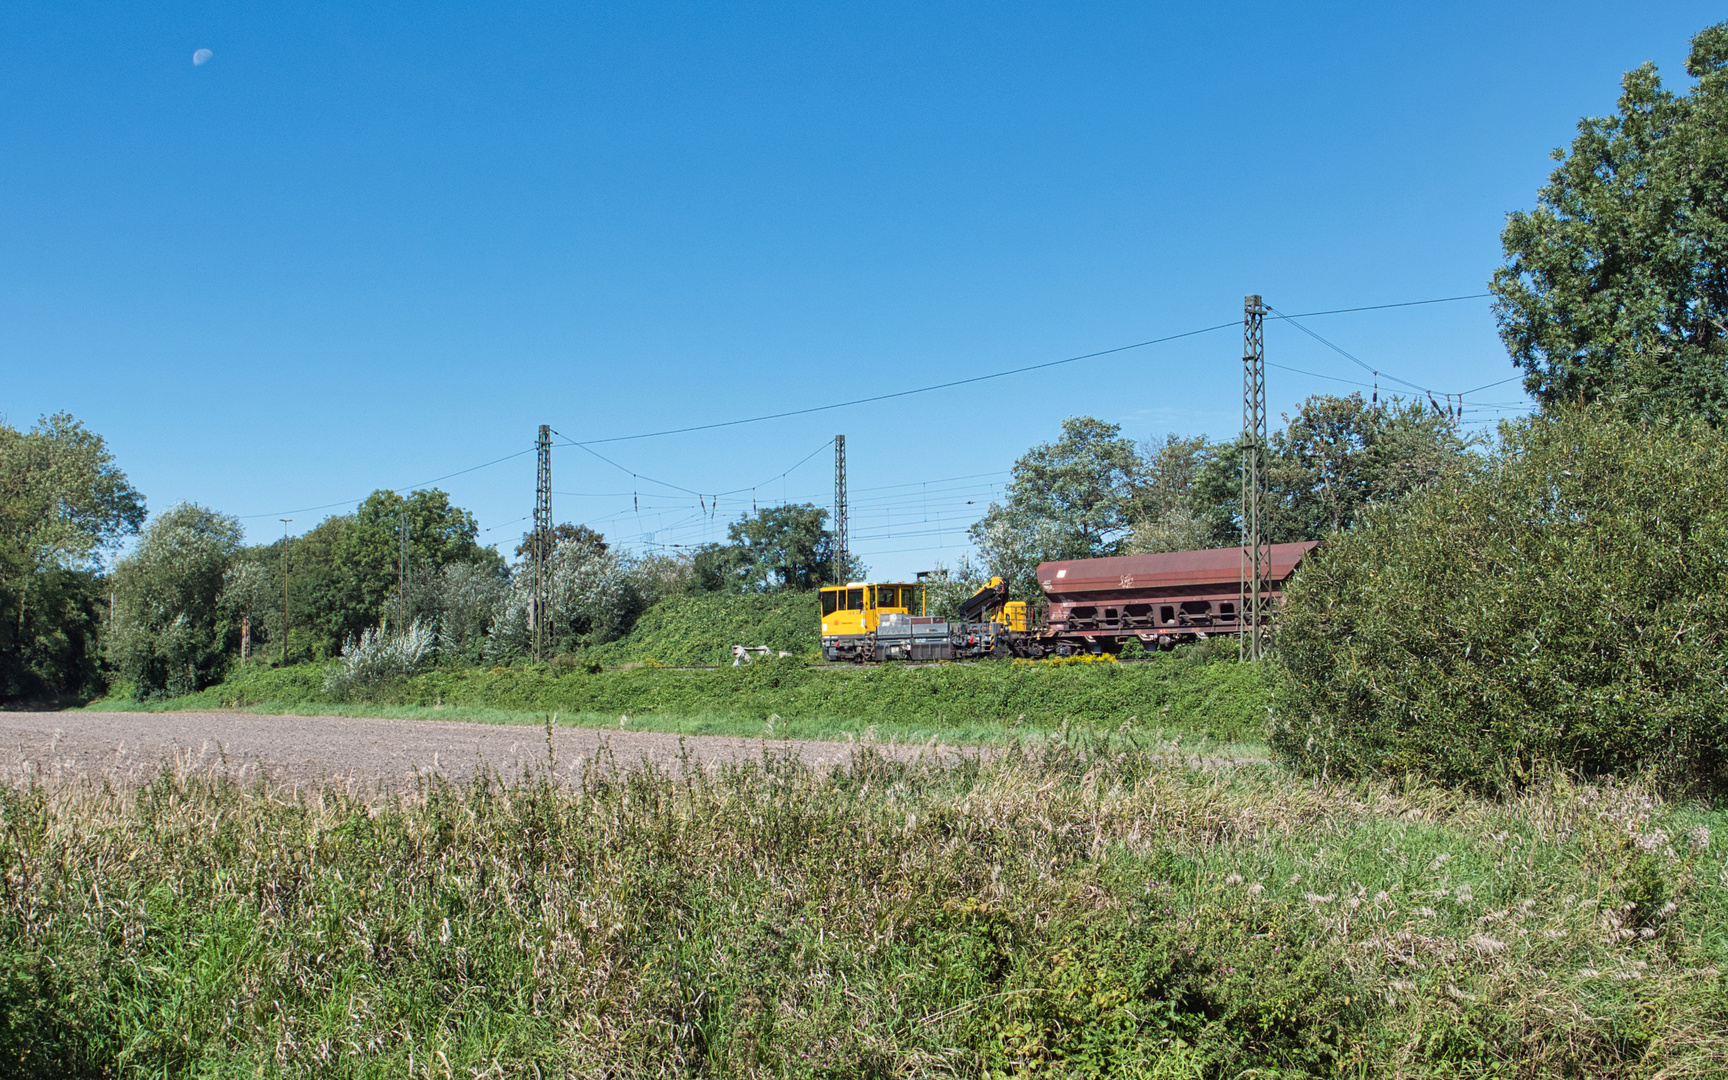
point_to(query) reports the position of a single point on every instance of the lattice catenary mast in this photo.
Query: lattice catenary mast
(840, 537)
(1252, 642)
(541, 546)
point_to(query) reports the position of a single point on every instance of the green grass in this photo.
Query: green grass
(701, 629)
(1081, 909)
(984, 702)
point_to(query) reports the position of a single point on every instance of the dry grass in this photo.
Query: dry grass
(1081, 909)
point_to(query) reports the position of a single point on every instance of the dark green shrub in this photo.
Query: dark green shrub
(1561, 600)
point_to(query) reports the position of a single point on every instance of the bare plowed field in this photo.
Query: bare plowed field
(370, 753)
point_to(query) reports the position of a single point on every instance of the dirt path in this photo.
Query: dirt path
(126, 747)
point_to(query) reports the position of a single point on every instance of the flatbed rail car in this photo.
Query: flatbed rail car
(1095, 606)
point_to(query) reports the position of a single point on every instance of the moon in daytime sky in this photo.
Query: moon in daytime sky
(200, 56)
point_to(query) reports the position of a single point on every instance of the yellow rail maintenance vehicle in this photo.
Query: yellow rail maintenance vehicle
(868, 622)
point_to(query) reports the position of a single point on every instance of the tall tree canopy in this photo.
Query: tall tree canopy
(62, 499)
(775, 548)
(1167, 515)
(1332, 459)
(1337, 455)
(63, 504)
(1616, 286)
(343, 573)
(169, 634)
(1069, 499)
(1092, 493)
(563, 533)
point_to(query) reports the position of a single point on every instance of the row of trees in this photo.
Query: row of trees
(1614, 296)
(191, 597)
(1094, 492)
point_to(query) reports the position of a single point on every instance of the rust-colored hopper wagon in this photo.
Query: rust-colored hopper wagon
(1096, 605)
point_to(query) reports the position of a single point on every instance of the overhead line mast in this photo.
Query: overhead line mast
(1256, 559)
(541, 548)
(841, 539)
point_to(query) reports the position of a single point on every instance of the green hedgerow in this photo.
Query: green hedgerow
(1561, 600)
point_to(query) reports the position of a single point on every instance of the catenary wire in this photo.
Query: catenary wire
(689, 491)
(1488, 386)
(1363, 364)
(1022, 370)
(1382, 307)
(405, 487)
(907, 393)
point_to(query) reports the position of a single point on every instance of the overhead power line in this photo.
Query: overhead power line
(1363, 364)
(1378, 373)
(588, 444)
(705, 495)
(399, 490)
(1489, 386)
(1357, 382)
(943, 480)
(1022, 371)
(1317, 375)
(903, 393)
(1383, 307)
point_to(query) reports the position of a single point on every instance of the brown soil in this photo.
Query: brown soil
(364, 753)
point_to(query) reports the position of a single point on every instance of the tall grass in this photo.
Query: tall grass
(1082, 909)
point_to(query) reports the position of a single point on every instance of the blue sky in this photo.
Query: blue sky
(367, 246)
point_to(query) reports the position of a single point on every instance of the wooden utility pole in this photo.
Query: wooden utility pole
(402, 556)
(285, 522)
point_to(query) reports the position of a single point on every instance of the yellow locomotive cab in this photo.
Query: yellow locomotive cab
(857, 607)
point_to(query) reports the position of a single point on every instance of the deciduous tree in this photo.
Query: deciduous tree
(1328, 462)
(1560, 601)
(63, 504)
(1167, 515)
(1069, 499)
(169, 634)
(775, 548)
(1616, 286)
